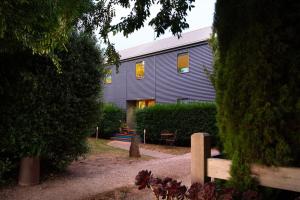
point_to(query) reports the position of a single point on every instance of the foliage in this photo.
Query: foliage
(5, 167)
(110, 123)
(213, 42)
(170, 189)
(258, 82)
(42, 103)
(48, 113)
(171, 15)
(74, 110)
(19, 127)
(100, 146)
(186, 119)
(241, 174)
(43, 26)
(271, 193)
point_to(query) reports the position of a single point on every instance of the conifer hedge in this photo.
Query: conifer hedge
(46, 112)
(258, 78)
(111, 120)
(186, 119)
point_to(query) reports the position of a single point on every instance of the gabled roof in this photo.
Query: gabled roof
(188, 38)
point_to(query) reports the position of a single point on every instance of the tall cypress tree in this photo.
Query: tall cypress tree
(258, 79)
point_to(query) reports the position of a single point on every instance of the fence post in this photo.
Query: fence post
(200, 150)
(97, 129)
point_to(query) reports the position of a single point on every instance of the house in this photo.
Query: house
(164, 71)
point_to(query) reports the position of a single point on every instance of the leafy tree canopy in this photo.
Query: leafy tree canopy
(39, 25)
(44, 25)
(47, 113)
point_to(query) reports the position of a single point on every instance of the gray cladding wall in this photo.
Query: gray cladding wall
(143, 88)
(162, 82)
(116, 91)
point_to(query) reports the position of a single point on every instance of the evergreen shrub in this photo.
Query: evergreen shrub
(46, 111)
(257, 83)
(186, 119)
(72, 101)
(111, 120)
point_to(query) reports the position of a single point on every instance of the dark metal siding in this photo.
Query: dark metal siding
(194, 85)
(162, 81)
(116, 91)
(143, 88)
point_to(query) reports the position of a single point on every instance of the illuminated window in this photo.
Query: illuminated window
(140, 70)
(145, 103)
(108, 77)
(141, 104)
(183, 63)
(150, 103)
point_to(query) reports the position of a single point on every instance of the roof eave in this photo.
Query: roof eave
(198, 43)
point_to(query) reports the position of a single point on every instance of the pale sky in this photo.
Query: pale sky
(200, 16)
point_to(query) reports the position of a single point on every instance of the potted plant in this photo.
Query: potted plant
(29, 172)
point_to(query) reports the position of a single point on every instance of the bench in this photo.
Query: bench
(168, 137)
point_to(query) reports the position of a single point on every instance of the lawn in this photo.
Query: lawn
(100, 146)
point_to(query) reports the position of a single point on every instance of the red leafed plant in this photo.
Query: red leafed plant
(171, 189)
(143, 179)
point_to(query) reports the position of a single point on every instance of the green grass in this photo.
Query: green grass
(174, 150)
(100, 146)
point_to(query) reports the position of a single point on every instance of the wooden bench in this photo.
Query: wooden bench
(168, 137)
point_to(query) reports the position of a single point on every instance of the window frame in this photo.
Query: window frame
(136, 75)
(177, 62)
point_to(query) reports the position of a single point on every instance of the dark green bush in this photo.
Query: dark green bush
(112, 117)
(5, 167)
(185, 118)
(257, 82)
(71, 100)
(20, 110)
(48, 112)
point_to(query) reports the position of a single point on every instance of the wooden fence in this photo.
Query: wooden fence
(203, 167)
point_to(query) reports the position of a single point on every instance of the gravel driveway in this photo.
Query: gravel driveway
(98, 177)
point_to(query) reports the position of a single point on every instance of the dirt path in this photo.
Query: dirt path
(99, 174)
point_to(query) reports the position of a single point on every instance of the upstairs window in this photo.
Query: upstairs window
(140, 70)
(108, 77)
(183, 62)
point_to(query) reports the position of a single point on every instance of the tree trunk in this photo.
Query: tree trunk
(134, 150)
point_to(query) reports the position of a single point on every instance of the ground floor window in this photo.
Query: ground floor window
(145, 103)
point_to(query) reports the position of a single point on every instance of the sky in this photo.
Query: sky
(200, 16)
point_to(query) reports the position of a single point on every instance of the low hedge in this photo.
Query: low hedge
(185, 118)
(112, 117)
